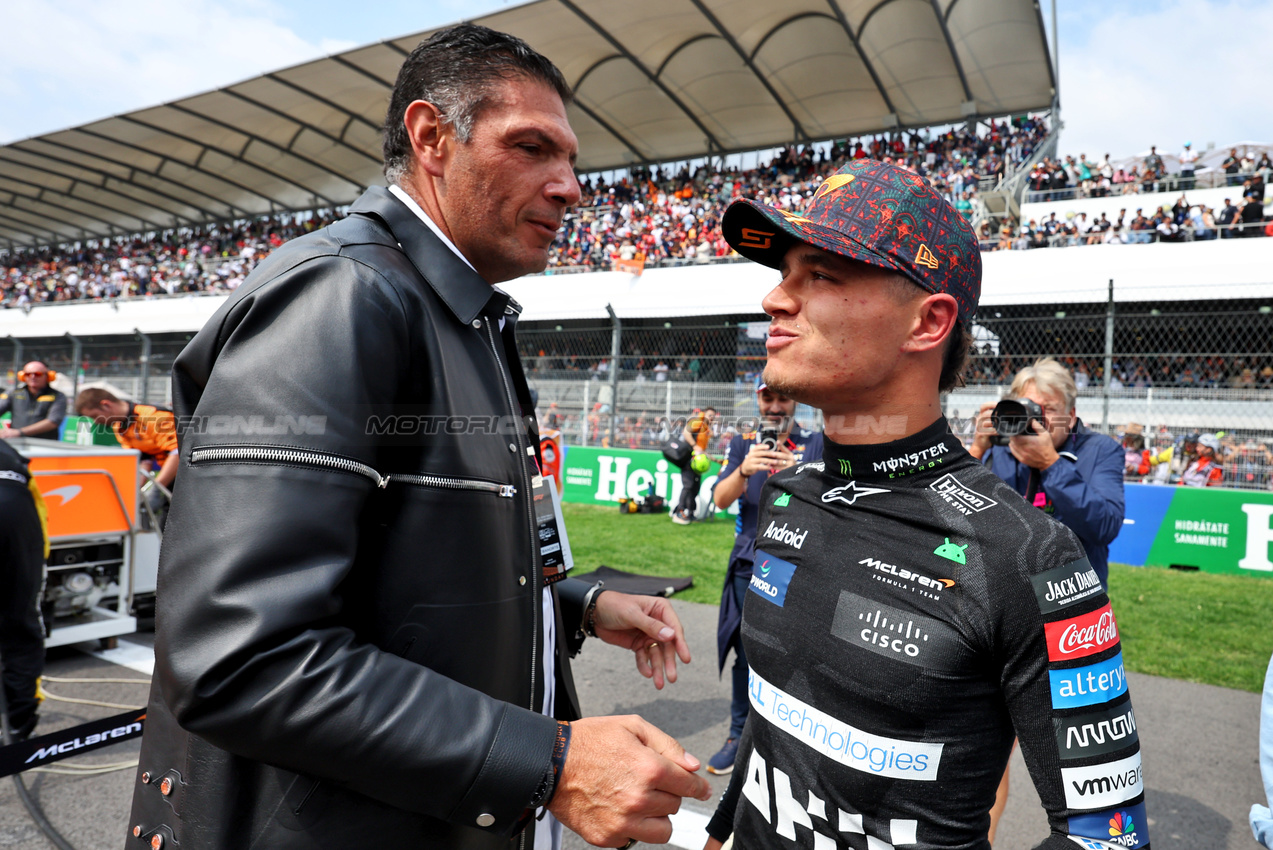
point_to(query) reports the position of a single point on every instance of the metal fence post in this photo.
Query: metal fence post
(17, 360)
(1109, 358)
(143, 368)
(616, 338)
(77, 354)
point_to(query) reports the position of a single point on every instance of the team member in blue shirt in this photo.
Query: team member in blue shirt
(747, 467)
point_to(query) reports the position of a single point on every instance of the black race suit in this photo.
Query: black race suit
(926, 615)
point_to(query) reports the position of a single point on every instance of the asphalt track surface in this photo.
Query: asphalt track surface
(1199, 745)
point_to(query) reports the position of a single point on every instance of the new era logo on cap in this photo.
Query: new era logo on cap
(876, 213)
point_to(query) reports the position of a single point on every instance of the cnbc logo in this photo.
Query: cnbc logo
(1120, 827)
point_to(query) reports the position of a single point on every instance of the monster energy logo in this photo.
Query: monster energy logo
(846, 468)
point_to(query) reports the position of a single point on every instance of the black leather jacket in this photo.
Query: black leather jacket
(349, 638)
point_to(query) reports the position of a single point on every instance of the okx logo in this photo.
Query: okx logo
(770, 577)
(1122, 827)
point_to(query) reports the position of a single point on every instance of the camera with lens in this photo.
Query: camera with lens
(1012, 417)
(768, 438)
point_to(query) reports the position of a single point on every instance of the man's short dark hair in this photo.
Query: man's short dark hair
(92, 398)
(455, 69)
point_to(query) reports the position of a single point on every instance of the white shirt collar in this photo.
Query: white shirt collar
(401, 195)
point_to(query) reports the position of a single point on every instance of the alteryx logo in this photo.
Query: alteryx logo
(770, 577)
(1123, 827)
(1090, 685)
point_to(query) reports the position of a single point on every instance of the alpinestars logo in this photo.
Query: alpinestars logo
(850, 493)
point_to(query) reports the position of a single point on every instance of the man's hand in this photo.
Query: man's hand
(760, 459)
(1036, 450)
(622, 779)
(7, 433)
(982, 431)
(649, 627)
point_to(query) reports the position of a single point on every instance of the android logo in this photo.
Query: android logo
(951, 552)
(783, 500)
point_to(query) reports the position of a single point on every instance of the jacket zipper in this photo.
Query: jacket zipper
(307, 457)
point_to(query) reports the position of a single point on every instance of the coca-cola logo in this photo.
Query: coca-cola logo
(1081, 636)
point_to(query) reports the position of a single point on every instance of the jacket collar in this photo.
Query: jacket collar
(463, 290)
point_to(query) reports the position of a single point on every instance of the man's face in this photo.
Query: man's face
(505, 191)
(776, 409)
(837, 330)
(1057, 418)
(36, 376)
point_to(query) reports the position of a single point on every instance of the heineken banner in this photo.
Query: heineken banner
(1213, 529)
(593, 476)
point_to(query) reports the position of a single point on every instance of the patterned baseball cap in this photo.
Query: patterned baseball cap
(874, 212)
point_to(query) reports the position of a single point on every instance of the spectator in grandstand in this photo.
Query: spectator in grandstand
(749, 463)
(1232, 165)
(35, 409)
(1188, 164)
(1154, 169)
(148, 428)
(1204, 470)
(698, 434)
(1251, 215)
(1228, 216)
(295, 643)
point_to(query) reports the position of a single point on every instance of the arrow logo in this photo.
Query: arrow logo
(65, 493)
(850, 493)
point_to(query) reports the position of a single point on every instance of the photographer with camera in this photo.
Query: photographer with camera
(1034, 440)
(780, 443)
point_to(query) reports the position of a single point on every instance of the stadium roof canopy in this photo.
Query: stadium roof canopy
(656, 81)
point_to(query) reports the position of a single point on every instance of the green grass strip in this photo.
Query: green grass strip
(1200, 627)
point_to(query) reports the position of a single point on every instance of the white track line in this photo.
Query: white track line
(689, 829)
(131, 655)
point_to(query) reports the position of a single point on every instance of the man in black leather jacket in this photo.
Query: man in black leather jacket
(354, 643)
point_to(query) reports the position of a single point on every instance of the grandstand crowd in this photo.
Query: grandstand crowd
(666, 216)
(657, 216)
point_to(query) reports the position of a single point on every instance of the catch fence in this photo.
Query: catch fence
(1173, 367)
